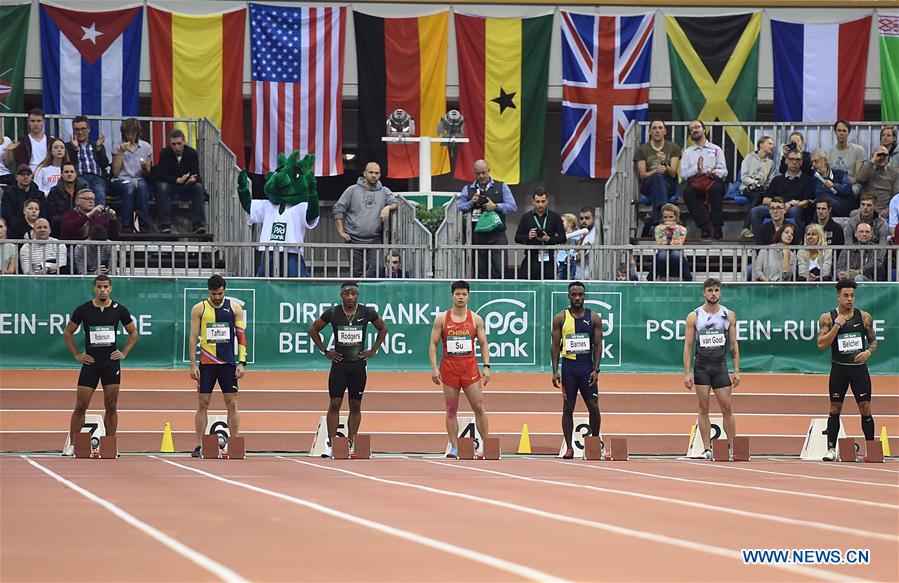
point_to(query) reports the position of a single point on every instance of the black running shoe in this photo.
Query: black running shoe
(196, 452)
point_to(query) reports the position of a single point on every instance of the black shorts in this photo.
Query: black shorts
(108, 372)
(576, 378)
(843, 376)
(711, 374)
(224, 374)
(347, 376)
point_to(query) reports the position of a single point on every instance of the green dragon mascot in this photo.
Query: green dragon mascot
(292, 207)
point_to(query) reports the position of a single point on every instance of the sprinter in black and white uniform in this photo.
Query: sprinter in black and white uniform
(710, 329)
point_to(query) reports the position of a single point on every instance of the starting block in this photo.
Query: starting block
(362, 447)
(210, 447)
(465, 448)
(874, 452)
(720, 450)
(237, 448)
(592, 448)
(492, 449)
(108, 448)
(216, 447)
(847, 449)
(82, 445)
(618, 449)
(741, 449)
(340, 448)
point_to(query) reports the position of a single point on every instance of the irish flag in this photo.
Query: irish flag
(196, 70)
(503, 78)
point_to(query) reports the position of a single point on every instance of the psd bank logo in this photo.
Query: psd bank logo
(245, 297)
(608, 306)
(510, 321)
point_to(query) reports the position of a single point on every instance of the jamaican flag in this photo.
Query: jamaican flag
(715, 70)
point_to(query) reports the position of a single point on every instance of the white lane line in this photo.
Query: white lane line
(758, 471)
(851, 467)
(195, 557)
(650, 536)
(737, 486)
(439, 545)
(654, 498)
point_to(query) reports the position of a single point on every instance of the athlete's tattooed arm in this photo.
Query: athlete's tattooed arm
(826, 331)
(869, 331)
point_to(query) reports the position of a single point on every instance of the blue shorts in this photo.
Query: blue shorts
(576, 378)
(224, 374)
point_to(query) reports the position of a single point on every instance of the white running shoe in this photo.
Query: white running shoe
(352, 450)
(328, 453)
(831, 455)
(706, 454)
(69, 451)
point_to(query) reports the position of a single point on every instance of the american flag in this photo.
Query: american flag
(297, 62)
(605, 87)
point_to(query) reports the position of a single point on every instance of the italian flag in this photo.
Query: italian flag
(197, 71)
(503, 79)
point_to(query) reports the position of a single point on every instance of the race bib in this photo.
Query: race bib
(849, 343)
(349, 335)
(459, 345)
(577, 343)
(712, 339)
(101, 336)
(279, 232)
(218, 332)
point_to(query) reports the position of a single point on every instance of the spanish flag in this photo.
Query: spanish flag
(196, 70)
(503, 79)
(401, 64)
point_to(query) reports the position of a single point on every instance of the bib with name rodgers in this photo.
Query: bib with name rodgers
(349, 329)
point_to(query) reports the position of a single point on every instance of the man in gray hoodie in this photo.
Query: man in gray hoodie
(360, 214)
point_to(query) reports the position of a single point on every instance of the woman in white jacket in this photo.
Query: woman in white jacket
(815, 264)
(777, 262)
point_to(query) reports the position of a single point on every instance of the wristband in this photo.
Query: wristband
(242, 363)
(597, 369)
(486, 366)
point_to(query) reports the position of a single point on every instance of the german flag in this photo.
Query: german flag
(197, 70)
(715, 69)
(503, 79)
(401, 64)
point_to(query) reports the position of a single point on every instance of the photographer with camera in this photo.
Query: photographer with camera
(796, 143)
(879, 178)
(77, 222)
(540, 227)
(488, 202)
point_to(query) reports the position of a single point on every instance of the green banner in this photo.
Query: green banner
(643, 324)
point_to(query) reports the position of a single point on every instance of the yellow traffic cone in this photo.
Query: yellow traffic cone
(168, 445)
(524, 444)
(885, 441)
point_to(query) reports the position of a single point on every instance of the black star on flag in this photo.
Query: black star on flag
(504, 100)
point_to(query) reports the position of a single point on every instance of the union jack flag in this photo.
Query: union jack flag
(605, 87)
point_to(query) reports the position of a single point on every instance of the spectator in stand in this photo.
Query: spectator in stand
(671, 264)
(815, 264)
(32, 148)
(95, 259)
(833, 233)
(483, 196)
(9, 255)
(878, 177)
(62, 197)
(587, 217)
(795, 188)
(48, 172)
(41, 259)
(893, 215)
(767, 232)
(657, 163)
(6, 161)
(539, 227)
(31, 212)
(131, 166)
(756, 173)
(78, 221)
(14, 198)
(703, 170)
(846, 156)
(867, 213)
(178, 173)
(360, 215)
(864, 262)
(777, 262)
(566, 259)
(89, 157)
(833, 185)
(796, 143)
(393, 266)
(888, 141)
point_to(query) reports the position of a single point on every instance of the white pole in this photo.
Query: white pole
(424, 169)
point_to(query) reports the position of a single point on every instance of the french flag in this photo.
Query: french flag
(91, 65)
(819, 70)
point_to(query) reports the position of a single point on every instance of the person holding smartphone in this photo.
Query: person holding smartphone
(178, 174)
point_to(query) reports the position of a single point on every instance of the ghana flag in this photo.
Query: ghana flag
(401, 64)
(715, 69)
(503, 79)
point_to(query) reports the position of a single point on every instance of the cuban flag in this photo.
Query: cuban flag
(605, 87)
(91, 65)
(819, 70)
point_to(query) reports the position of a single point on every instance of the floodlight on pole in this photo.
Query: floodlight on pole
(400, 124)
